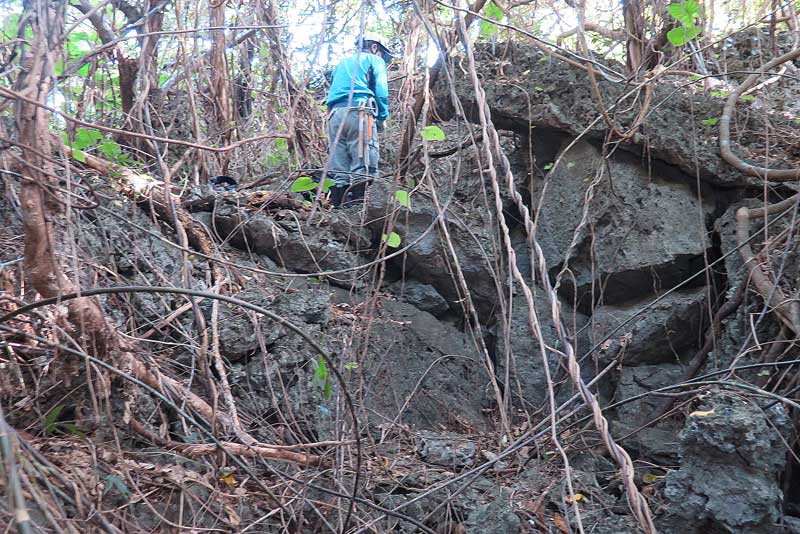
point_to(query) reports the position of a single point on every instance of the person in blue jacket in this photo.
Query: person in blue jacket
(358, 102)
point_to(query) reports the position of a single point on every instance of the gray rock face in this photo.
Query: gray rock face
(494, 517)
(528, 383)
(422, 372)
(427, 261)
(731, 461)
(425, 297)
(446, 449)
(565, 105)
(643, 231)
(416, 370)
(662, 334)
(331, 246)
(634, 381)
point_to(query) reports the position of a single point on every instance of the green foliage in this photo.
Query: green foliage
(8, 30)
(392, 240)
(432, 133)
(492, 12)
(747, 98)
(711, 121)
(52, 425)
(281, 153)
(51, 419)
(685, 13)
(322, 379)
(306, 183)
(91, 139)
(303, 184)
(115, 482)
(402, 198)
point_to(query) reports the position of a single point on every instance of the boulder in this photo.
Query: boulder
(664, 333)
(634, 381)
(732, 456)
(424, 297)
(421, 372)
(428, 259)
(334, 245)
(644, 231)
(493, 517)
(518, 346)
(446, 449)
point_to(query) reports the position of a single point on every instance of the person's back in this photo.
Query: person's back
(362, 75)
(358, 101)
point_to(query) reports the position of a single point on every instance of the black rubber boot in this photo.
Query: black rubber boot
(356, 194)
(337, 195)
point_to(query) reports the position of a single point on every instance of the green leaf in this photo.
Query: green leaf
(327, 183)
(303, 184)
(493, 12)
(677, 36)
(71, 428)
(402, 198)
(115, 482)
(747, 98)
(719, 94)
(685, 11)
(692, 8)
(538, 88)
(393, 240)
(79, 155)
(350, 366)
(86, 137)
(712, 121)
(321, 378)
(51, 418)
(432, 133)
(110, 149)
(548, 166)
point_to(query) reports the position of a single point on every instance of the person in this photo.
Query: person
(358, 103)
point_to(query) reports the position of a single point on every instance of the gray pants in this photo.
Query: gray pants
(346, 166)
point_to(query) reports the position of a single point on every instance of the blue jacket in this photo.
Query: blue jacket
(367, 74)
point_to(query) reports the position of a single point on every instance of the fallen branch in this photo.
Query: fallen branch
(194, 450)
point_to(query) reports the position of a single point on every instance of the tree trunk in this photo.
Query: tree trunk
(220, 89)
(36, 197)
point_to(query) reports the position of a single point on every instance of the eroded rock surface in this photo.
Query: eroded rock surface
(661, 334)
(731, 456)
(643, 231)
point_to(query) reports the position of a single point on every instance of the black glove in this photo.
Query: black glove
(381, 126)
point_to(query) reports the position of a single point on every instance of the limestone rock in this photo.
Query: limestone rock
(664, 333)
(446, 449)
(425, 297)
(644, 231)
(731, 457)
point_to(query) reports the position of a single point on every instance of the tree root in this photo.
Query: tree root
(786, 309)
